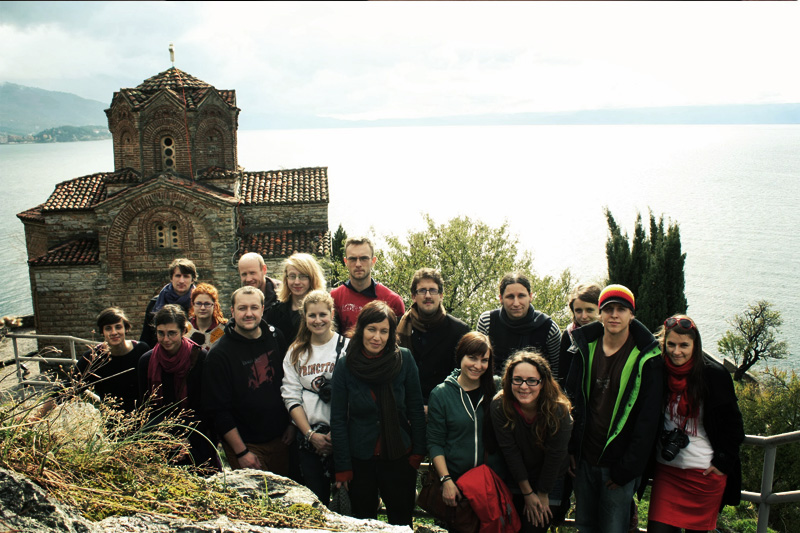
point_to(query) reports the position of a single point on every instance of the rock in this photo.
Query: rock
(24, 506)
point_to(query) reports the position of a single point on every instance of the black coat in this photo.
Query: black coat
(723, 423)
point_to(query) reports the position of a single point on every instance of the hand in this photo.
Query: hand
(712, 470)
(288, 435)
(322, 444)
(450, 493)
(342, 484)
(573, 466)
(249, 460)
(535, 510)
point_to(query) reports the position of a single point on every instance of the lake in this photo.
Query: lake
(734, 190)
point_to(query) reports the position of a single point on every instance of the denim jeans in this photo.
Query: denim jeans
(599, 509)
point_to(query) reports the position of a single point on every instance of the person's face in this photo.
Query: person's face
(299, 284)
(252, 273)
(181, 282)
(114, 334)
(203, 306)
(516, 300)
(474, 365)
(584, 312)
(679, 348)
(376, 335)
(526, 394)
(169, 337)
(318, 318)
(359, 260)
(427, 303)
(247, 312)
(616, 318)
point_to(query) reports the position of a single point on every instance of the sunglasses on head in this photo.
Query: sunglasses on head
(685, 323)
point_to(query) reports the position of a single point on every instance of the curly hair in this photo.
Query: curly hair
(210, 291)
(550, 404)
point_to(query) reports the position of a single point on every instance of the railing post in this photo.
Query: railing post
(767, 477)
(16, 359)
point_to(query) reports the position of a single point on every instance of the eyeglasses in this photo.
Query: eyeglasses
(685, 323)
(204, 304)
(294, 277)
(423, 292)
(530, 382)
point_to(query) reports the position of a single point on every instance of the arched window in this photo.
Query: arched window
(168, 153)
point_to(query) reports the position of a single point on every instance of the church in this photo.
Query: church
(176, 191)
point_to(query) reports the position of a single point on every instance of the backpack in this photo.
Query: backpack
(491, 500)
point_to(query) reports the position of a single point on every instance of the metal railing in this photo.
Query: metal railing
(71, 360)
(766, 497)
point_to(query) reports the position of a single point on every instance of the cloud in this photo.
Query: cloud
(413, 59)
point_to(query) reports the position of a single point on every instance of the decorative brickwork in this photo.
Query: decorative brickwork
(108, 238)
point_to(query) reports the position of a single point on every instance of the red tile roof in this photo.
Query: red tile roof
(126, 175)
(293, 186)
(180, 84)
(33, 214)
(77, 252)
(78, 193)
(283, 243)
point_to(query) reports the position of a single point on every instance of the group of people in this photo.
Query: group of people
(349, 389)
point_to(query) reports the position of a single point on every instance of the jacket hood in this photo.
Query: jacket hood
(452, 379)
(642, 338)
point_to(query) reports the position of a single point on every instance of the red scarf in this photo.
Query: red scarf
(177, 364)
(680, 406)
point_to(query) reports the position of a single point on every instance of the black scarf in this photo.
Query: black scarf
(520, 326)
(379, 373)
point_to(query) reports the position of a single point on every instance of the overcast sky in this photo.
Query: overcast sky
(367, 60)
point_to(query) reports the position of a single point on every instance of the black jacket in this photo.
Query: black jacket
(635, 424)
(723, 423)
(434, 352)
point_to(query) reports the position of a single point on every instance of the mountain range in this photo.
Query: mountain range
(29, 110)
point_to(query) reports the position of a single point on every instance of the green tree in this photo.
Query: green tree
(754, 337)
(772, 407)
(472, 257)
(652, 266)
(336, 271)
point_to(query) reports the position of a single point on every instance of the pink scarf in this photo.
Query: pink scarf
(177, 364)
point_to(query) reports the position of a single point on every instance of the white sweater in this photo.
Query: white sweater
(301, 383)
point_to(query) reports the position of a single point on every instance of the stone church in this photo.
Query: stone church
(176, 191)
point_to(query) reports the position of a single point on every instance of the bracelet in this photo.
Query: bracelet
(444, 478)
(242, 453)
(309, 433)
(528, 493)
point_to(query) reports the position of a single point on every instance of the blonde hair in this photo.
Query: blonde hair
(302, 343)
(305, 264)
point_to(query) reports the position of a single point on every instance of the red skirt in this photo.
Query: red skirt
(686, 498)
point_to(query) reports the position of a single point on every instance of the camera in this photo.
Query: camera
(672, 443)
(325, 390)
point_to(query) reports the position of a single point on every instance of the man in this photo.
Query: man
(253, 273)
(360, 289)
(242, 386)
(516, 325)
(615, 383)
(182, 275)
(429, 332)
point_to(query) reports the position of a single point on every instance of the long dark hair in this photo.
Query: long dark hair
(551, 402)
(374, 312)
(695, 387)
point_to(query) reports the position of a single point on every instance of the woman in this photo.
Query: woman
(111, 365)
(301, 275)
(459, 424)
(516, 325)
(206, 321)
(170, 377)
(377, 419)
(583, 307)
(697, 468)
(532, 422)
(308, 369)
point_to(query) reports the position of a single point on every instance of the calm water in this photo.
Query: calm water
(735, 191)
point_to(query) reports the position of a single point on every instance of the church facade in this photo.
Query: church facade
(176, 191)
